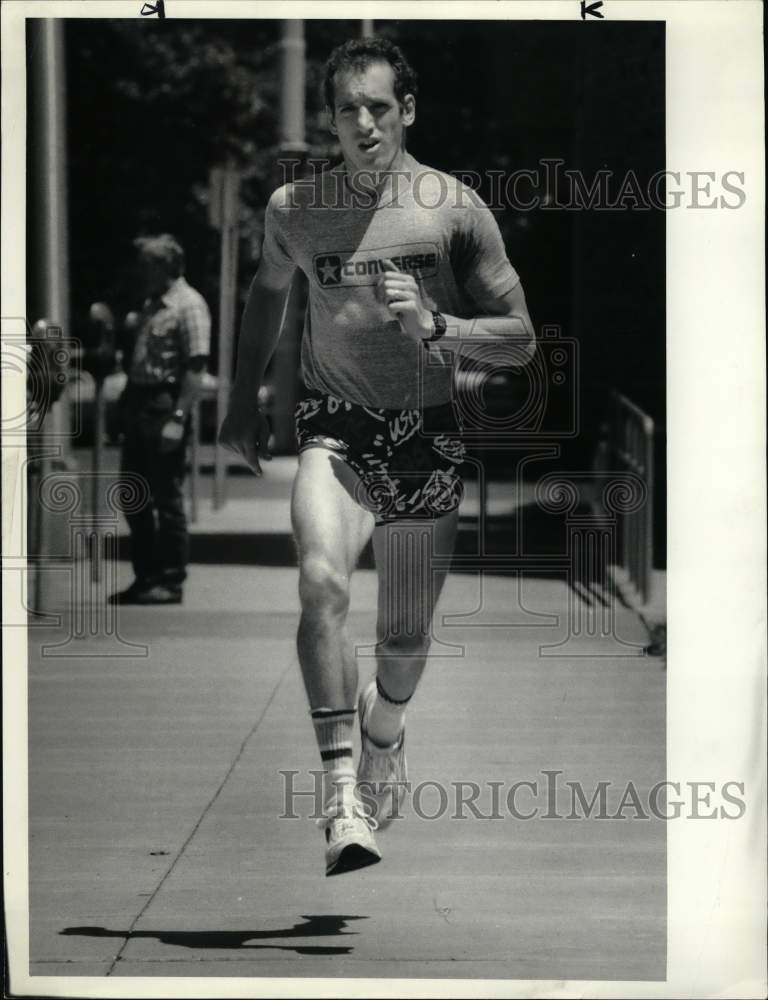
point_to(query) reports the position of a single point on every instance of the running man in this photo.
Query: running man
(398, 256)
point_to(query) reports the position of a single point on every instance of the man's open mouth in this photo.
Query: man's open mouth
(368, 144)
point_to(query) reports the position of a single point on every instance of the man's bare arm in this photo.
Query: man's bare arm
(262, 322)
(172, 431)
(244, 429)
(505, 318)
(191, 387)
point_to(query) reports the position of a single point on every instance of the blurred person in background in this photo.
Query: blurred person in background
(168, 361)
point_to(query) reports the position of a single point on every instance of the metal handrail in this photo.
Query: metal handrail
(631, 449)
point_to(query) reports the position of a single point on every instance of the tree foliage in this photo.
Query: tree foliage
(154, 105)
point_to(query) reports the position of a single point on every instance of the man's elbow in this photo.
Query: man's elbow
(516, 324)
(530, 347)
(524, 338)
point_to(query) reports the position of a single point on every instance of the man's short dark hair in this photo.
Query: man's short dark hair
(163, 249)
(358, 53)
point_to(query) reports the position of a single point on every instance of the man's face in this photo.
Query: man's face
(367, 117)
(155, 277)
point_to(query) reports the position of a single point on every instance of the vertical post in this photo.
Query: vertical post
(48, 91)
(49, 211)
(293, 47)
(99, 431)
(634, 433)
(227, 292)
(366, 28)
(284, 370)
(37, 531)
(194, 461)
(578, 245)
(647, 512)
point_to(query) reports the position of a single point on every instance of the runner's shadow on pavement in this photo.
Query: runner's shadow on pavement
(327, 925)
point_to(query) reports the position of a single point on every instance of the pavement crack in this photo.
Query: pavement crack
(211, 802)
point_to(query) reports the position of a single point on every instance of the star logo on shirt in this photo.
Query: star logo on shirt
(328, 269)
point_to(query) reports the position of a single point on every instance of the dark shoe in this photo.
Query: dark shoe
(160, 594)
(131, 594)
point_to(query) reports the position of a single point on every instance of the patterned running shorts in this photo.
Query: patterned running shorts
(407, 461)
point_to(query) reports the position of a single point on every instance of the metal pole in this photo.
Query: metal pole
(366, 29)
(284, 370)
(227, 292)
(99, 431)
(50, 210)
(194, 461)
(222, 391)
(649, 428)
(38, 526)
(292, 100)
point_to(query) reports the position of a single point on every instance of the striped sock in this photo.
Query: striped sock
(386, 718)
(333, 731)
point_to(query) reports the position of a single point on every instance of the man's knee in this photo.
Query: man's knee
(323, 587)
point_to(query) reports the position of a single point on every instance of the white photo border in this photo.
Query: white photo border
(716, 687)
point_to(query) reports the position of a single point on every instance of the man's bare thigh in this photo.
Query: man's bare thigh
(327, 519)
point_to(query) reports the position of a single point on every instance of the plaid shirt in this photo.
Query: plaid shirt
(174, 328)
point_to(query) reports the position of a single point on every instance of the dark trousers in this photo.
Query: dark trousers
(159, 538)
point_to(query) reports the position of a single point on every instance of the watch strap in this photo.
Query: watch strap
(440, 327)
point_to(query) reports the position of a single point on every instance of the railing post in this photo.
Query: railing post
(633, 451)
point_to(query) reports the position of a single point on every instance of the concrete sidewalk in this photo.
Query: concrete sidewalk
(157, 846)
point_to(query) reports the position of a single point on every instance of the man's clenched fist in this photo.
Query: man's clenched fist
(245, 431)
(402, 295)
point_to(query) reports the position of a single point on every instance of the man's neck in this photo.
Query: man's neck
(363, 178)
(159, 294)
(363, 184)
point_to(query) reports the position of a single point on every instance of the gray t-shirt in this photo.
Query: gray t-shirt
(430, 225)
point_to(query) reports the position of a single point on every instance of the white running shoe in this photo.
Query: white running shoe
(382, 772)
(348, 836)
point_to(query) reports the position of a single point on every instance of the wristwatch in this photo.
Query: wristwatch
(440, 327)
(178, 416)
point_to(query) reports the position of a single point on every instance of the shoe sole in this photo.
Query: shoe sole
(352, 858)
